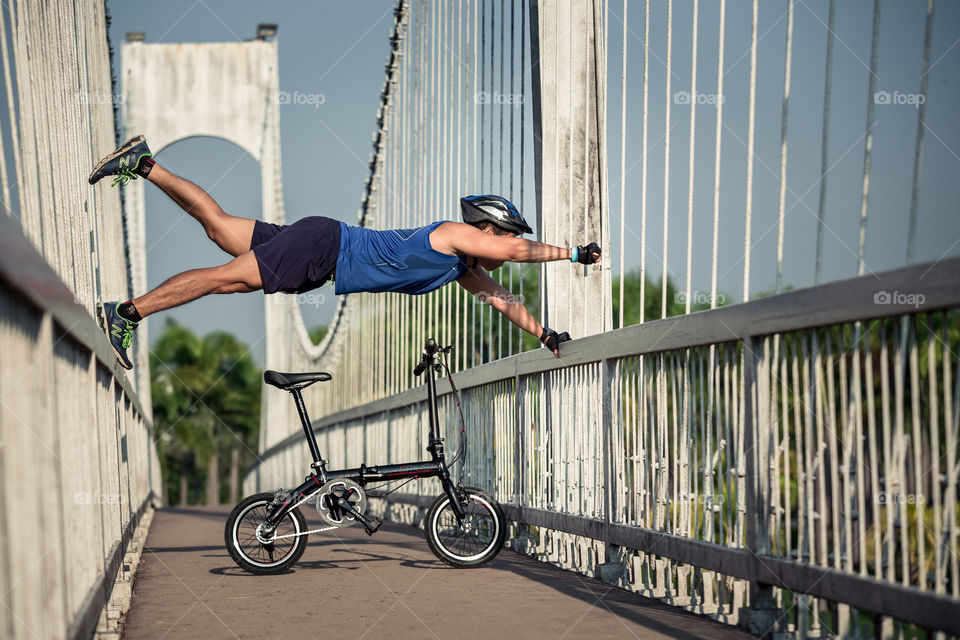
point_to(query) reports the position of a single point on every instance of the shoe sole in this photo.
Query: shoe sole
(102, 321)
(119, 151)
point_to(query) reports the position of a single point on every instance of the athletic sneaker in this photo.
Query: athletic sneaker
(129, 160)
(119, 331)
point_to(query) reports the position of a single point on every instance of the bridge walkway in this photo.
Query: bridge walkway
(389, 585)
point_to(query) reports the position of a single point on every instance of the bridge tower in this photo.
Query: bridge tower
(225, 90)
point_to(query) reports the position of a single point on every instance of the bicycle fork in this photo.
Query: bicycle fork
(458, 498)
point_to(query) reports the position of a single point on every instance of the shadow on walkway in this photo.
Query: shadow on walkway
(188, 587)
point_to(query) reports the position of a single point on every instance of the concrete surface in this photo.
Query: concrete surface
(350, 586)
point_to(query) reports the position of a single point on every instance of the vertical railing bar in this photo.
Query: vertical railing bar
(952, 427)
(934, 470)
(900, 445)
(917, 494)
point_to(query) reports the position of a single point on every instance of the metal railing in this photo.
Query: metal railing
(77, 458)
(78, 466)
(766, 455)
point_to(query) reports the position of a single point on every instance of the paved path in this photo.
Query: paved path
(387, 586)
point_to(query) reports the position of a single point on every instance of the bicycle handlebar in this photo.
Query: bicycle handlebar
(429, 350)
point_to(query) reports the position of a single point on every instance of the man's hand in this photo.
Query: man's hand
(588, 254)
(551, 339)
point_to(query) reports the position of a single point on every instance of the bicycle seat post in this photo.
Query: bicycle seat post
(318, 461)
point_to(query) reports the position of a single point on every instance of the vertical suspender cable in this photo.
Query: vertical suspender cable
(588, 55)
(716, 159)
(490, 110)
(436, 132)
(693, 129)
(476, 125)
(623, 154)
(523, 111)
(921, 125)
(783, 142)
(825, 139)
(868, 146)
(501, 165)
(643, 161)
(459, 325)
(666, 164)
(751, 134)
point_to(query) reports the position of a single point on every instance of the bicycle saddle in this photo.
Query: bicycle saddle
(288, 381)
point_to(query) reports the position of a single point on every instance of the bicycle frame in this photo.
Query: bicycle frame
(435, 467)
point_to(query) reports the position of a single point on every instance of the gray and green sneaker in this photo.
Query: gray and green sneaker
(119, 331)
(131, 159)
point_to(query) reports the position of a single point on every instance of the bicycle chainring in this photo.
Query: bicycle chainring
(327, 506)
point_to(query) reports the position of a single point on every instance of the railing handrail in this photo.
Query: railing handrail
(833, 303)
(24, 270)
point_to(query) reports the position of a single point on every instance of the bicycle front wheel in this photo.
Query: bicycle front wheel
(475, 543)
(250, 550)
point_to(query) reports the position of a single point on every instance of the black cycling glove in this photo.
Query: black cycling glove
(551, 339)
(587, 254)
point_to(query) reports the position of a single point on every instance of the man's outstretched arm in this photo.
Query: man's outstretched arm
(493, 293)
(456, 237)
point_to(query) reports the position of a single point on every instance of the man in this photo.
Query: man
(302, 256)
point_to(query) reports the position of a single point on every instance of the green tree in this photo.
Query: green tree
(318, 333)
(652, 300)
(206, 408)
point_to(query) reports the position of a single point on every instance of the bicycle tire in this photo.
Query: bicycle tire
(466, 549)
(239, 536)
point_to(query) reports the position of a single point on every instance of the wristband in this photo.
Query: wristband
(574, 254)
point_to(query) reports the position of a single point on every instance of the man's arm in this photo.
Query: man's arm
(493, 293)
(455, 237)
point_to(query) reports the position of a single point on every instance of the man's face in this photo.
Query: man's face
(487, 263)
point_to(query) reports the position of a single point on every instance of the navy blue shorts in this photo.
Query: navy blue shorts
(297, 257)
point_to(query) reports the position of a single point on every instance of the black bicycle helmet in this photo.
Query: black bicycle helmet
(494, 209)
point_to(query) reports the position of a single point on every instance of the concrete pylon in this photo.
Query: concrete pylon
(227, 90)
(569, 94)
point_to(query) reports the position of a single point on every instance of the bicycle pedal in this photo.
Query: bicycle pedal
(373, 526)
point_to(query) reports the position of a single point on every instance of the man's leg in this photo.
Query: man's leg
(120, 319)
(232, 234)
(240, 275)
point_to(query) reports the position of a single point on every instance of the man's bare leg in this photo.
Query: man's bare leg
(240, 275)
(232, 234)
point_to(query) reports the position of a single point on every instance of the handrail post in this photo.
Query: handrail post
(614, 568)
(761, 616)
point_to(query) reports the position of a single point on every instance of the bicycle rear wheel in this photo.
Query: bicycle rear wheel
(477, 542)
(248, 549)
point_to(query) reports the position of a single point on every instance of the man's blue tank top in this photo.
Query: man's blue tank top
(399, 260)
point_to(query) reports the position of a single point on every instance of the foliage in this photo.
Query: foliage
(318, 333)
(206, 402)
(652, 300)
